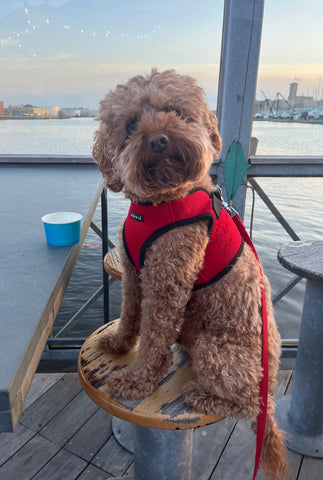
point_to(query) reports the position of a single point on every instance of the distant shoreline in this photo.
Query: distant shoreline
(288, 120)
(21, 117)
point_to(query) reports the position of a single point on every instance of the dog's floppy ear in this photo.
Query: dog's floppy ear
(102, 156)
(212, 125)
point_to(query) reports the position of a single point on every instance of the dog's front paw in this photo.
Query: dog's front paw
(130, 384)
(114, 343)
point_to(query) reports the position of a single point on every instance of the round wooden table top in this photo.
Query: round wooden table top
(303, 258)
(164, 408)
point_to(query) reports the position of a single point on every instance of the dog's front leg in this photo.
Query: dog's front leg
(128, 330)
(171, 266)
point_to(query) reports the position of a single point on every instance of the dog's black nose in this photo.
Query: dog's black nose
(158, 143)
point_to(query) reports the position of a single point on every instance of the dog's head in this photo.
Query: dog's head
(156, 134)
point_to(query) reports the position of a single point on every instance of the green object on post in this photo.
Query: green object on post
(234, 169)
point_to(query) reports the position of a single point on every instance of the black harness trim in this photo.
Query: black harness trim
(171, 226)
(223, 272)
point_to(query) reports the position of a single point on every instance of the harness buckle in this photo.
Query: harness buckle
(231, 211)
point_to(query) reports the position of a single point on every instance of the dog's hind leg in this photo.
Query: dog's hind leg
(227, 379)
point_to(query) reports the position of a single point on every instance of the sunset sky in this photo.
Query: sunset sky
(70, 52)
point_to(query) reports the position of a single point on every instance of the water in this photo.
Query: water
(297, 199)
(72, 136)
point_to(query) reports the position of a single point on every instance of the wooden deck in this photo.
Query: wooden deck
(62, 435)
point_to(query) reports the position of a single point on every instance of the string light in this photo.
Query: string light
(82, 31)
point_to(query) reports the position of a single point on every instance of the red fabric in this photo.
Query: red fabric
(145, 222)
(262, 417)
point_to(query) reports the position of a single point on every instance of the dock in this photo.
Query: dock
(62, 434)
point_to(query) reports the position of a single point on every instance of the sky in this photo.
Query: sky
(70, 52)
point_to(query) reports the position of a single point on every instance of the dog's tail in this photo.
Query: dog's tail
(274, 453)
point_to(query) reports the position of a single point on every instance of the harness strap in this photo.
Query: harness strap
(261, 419)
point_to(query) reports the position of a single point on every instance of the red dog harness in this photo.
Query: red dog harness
(145, 223)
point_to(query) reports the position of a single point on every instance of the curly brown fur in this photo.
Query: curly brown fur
(220, 325)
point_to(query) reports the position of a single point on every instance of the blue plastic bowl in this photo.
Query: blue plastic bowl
(62, 228)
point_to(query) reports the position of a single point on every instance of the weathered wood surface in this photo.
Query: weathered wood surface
(165, 408)
(221, 451)
(112, 264)
(303, 258)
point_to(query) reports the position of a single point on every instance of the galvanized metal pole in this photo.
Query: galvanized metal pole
(237, 87)
(306, 409)
(163, 454)
(104, 220)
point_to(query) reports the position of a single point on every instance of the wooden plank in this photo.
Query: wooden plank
(52, 402)
(237, 460)
(94, 473)
(283, 379)
(69, 420)
(113, 459)
(40, 384)
(98, 428)
(208, 444)
(64, 465)
(290, 385)
(125, 477)
(294, 462)
(10, 443)
(130, 473)
(29, 460)
(311, 469)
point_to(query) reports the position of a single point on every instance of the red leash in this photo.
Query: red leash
(261, 419)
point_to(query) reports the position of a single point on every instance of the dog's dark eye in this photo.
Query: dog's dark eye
(175, 110)
(131, 126)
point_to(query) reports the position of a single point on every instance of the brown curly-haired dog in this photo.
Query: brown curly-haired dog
(156, 141)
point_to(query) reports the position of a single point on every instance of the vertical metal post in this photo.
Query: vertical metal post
(306, 408)
(104, 222)
(163, 454)
(241, 37)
